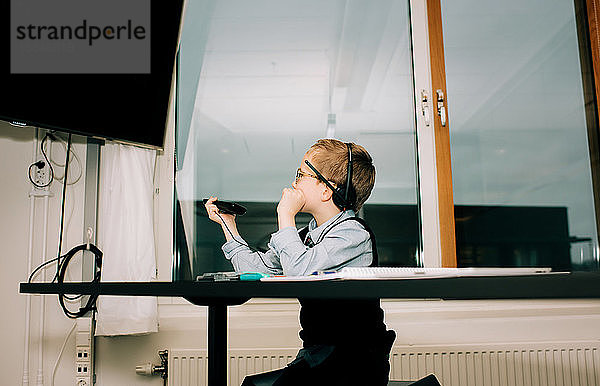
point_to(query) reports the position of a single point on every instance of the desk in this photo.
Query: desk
(219, 295)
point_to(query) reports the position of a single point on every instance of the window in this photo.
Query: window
(505, 181)
(520, 155)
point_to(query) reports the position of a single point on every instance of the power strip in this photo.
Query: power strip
(84, 352)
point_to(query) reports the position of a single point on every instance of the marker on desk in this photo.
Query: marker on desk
(252, 276)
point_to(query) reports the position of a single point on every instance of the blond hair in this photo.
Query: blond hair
(330, 158)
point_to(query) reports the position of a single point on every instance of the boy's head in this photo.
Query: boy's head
(330, 158)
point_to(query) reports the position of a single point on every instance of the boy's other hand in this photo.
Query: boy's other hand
(213, 213)
(292, 201)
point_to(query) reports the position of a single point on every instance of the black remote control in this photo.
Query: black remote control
(228, 207)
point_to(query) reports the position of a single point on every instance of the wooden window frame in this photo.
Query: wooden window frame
(442, 136)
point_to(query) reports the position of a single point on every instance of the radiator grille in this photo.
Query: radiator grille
(189, 367)
(570, 365)
(244, 362)
(565, 364)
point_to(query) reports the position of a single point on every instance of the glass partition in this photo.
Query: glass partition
(259, 82)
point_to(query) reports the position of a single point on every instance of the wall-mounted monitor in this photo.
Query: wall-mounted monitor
(110, 79)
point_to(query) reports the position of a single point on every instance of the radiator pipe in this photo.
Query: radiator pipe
(150, 369)
(40, 375)
(25, 379)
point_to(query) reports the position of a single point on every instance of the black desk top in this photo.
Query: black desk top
(546, 286)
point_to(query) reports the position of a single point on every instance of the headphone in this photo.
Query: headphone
(90, 304)
(344, 196)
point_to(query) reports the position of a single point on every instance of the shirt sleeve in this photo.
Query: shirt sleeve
(347, 244)
(244, 259)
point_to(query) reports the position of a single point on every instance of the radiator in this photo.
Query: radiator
(189, 367)
(568, 364)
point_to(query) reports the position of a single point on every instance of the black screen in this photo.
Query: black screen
(124, 107)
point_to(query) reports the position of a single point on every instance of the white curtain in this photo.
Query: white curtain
(126, 237)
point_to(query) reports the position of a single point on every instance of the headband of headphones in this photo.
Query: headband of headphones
(343, 197)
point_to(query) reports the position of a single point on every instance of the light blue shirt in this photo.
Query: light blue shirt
(336, 245)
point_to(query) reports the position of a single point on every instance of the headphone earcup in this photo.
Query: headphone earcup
(337, 198)
(351, 198)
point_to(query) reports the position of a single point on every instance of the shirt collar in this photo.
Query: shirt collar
(315, 231)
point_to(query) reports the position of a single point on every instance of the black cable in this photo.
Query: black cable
(246, 245)
(40, 267)
(62, 210)
(73, 298)
(61, 266)
(326, 230)
(45, 156)
(91, 302)
(321, 237)
(44, 265)
(41, 164)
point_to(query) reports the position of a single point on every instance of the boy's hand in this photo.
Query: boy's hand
(227, 221)
(213, 213)
(292, 200)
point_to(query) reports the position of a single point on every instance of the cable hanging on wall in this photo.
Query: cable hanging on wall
(91, 302)
(62, 261)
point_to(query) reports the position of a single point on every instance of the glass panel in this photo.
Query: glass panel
(520, 159)
(257, 81)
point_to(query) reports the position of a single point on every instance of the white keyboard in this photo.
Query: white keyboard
(414, 272)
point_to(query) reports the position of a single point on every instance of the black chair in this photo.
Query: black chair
(267, 379)
(262, 379)
(429, 380)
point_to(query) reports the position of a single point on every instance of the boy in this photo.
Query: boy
(345, 342)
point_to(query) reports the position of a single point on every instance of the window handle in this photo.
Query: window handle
(441, 110)
(425, 107)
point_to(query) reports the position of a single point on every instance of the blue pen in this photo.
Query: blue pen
(323, 272)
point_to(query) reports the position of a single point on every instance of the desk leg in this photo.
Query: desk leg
(217, 345)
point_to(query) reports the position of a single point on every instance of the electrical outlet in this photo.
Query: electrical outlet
(83, 369)
(82, 382)
(41, 175)
(82, 354)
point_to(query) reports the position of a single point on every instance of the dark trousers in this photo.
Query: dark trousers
(357, 366)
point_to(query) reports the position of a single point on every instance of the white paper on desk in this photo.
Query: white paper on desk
(403, 273)
(346, 276)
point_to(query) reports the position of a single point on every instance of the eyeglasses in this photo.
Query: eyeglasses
(300, 174)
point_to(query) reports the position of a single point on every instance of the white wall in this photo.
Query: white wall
(259, 323)
(15, 158)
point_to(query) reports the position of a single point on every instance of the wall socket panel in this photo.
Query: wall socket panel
(84, 352)
(41, 176)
